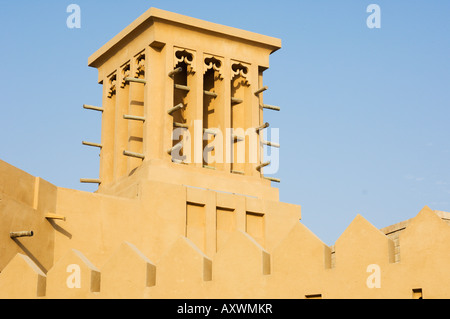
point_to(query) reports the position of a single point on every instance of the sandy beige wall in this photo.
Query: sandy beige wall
(150, 247)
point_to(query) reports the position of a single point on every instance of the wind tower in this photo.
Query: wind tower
(183, 208)
(183, 104)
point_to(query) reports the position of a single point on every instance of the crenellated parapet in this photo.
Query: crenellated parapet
(298, 267)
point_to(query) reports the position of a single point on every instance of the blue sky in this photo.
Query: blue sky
(364, 125)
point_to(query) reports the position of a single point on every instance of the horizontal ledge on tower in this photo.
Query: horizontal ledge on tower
(134, 118)
(265, 125)
(176, 108)
(275, 180)
(178, 146)
(92, 144)
(238, 138)
(90, 181)
(180, 125)
(20, 234)
(235, 100)
(94, 108)
(55, 216)
(211, 94)
(271, 107)
(272, 144)
(262, 165)
(182, 87)
(210, 131)
(132, 154)
(261, 90)
(135, 80)
(177, 70)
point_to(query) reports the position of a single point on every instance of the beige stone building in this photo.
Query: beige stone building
(183, 209)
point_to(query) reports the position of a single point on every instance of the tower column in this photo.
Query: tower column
(108, 130)
(253, 120)
(156, 102)
(121, 125)
(136, 107)
(226, 115)
(194, 110)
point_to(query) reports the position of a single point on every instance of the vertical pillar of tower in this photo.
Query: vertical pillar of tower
(120, 124)
(156, 100)
(240, 112)
(194, 110)
(173, 96)
(108, 130)
(261, 119)
(226, 117)
(253, 119)
(214, 105)
(222, 106)
(136, 108)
